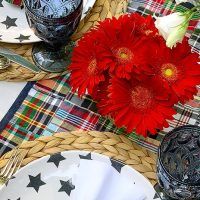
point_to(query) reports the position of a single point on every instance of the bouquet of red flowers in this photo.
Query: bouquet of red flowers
(125, 65)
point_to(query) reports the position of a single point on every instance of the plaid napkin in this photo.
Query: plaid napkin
(16, 2)
(50, 106)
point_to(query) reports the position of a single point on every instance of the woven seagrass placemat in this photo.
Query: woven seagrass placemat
(106, 143)
(101, 10)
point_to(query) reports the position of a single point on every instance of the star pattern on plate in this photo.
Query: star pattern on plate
(35, 182)
(21, 38)
(86, 157)
(117, 165)
(9, 22)
(156, 196)
(66, 186)
(1, 5)
(56, 159)
(13, 177)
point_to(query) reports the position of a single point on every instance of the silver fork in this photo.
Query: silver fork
(11, 166)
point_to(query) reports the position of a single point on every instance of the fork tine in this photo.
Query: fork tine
(9, 163)
(20, 162)
(13, 163)
(15, 166)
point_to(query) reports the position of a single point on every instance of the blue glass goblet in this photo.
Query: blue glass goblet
(53, 21)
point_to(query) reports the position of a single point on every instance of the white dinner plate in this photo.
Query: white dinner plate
(51, 177)
(14, 27)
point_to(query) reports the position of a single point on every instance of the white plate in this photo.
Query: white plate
(14, 27)
(51, 177)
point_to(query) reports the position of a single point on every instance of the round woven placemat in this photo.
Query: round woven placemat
(101, 10)
(106, 143)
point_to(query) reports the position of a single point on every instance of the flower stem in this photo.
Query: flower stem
(191, 12)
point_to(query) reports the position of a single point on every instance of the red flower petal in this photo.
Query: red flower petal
(134, 102)
(178, 68)
(87, 65)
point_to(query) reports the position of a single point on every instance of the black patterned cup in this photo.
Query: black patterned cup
(178, 165)
(53, 21)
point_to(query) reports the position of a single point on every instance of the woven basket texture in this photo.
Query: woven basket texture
(106, 143)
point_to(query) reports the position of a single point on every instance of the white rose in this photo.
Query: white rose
(172, 27)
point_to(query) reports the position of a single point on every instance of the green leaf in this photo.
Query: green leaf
(180, 8)
(18, 59)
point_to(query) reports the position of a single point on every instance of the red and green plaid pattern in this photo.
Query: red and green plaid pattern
(165, 7)
(51, 107)
(16, 2)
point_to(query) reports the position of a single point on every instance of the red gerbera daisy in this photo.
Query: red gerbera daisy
(101, 95)
(144, 25)
(87, 64)
(124, 50)
(140, 105)
(177, 68)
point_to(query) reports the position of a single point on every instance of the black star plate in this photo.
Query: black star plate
(54, 177)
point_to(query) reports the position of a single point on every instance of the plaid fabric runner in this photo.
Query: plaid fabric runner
(165, 7)
(16, 2)
(51, 107)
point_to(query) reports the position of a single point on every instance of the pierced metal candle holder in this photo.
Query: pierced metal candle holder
(178, 164)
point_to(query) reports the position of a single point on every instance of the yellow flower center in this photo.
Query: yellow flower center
(123, 55)
(92, 67)
(141, 97)
(169, 71)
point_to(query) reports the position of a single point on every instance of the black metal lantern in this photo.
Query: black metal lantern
(178, 165)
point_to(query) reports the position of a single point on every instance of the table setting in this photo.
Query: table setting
(100, 99)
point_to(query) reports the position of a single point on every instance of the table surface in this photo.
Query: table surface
(9, 92)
